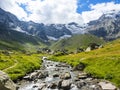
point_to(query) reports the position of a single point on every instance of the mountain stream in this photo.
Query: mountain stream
(59, 76)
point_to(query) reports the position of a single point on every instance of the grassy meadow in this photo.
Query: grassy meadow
(102, 63)
(18, 64)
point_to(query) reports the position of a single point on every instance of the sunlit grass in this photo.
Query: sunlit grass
(18, 64)
(102, 63)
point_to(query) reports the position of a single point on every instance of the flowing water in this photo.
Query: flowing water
(57, 76)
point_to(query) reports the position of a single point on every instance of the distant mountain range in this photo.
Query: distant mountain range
(107, 26)
(12, 29)
(45, 32)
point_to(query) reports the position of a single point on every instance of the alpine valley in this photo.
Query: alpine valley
(93, 49)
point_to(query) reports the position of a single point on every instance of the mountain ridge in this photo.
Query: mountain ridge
(107, 26)
(37, 29)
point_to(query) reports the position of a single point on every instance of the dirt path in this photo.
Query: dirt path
(16, 62)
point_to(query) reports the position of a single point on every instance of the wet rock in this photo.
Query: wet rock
(80, 84)
(82, 75)
(57, 69)
(64, 84)
(35, 86)
(6, 83)
(107, 86)
(42, 86)
(26, 77)
(62, 65)
(35, 80)
(86, 88)
(96, 87)
(67, 75)
(74, 87)
(55, 75)
(51, 65)
(33, 76)
(89, 79)
(36, 75)
(42, 74)
(92, 87)
(53, 86)
(44, 58)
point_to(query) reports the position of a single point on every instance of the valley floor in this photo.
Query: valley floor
(102, 63)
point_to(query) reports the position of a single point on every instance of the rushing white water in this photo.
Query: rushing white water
(52, 68)
(53, 80)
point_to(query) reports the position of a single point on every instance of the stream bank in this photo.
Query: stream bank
(60, 76)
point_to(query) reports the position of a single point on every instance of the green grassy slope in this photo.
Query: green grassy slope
(18, 64)
(76, 41)
(102, 63)
(12, 60)
(10, 39)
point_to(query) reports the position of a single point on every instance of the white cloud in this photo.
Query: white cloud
(45, 11)
(98, 9)
(56, 11)
(13, 7)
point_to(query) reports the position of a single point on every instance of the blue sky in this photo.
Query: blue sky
(83, 5)
(59, 11)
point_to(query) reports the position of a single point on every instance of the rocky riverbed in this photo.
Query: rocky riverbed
(60, 76)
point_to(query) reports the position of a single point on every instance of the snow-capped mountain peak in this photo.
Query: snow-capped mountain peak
(76, 28)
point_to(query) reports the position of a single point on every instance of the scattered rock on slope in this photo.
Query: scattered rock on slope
(6, 83)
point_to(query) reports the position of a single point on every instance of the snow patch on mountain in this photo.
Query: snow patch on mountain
(76, 29)
(55, 39)
(52, 38)
(65, 36)
(20, 30)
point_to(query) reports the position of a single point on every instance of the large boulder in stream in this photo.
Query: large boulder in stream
(64, 84)
(66, 75)
(6, 83)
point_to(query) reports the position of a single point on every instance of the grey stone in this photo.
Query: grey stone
(53, 86)
(65, 84)
(42, 86)
(82, 75)
(107, 86)
(56, 75)
(67, 75)
(6, 83)
(80, 84)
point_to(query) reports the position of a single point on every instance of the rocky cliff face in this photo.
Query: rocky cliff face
(107, 26)
(6, 83)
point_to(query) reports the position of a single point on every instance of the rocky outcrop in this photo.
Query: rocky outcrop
(6, 83)
(107, 26)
